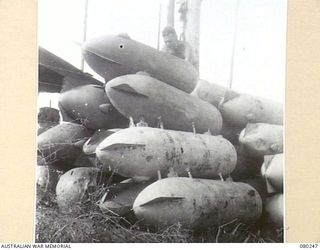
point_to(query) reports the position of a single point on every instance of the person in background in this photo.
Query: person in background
(178, 48)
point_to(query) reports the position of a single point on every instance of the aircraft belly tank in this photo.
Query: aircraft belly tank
(74, 185)
(197, 203)
(90, 106)
(113, 56)
(143, 151)
(240, 109)
(143, 96)
(209, 92)
(274, 210)
(272, 171)
(46, 178)
(258, 184)
(62, 144)
(261, 139)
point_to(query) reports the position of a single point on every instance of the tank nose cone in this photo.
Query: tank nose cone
(89, 53)
(91, 45)
(102, 46)
(97, 48)
(100, 55)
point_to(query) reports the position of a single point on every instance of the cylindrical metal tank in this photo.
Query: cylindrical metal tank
(143, 151)
(209, 92)
(90, 106)
(139, 96)
(113, 56)
(197, 203)
(272, 171)
(259, 139)
(62, 144)
(274, 210)
(74, 186)
(241, 109)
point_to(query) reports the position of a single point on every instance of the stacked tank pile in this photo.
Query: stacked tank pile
(178, 149)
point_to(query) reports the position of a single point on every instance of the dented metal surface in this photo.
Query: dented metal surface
(241, 109)
(139, 96)
(61, 145)
(261, 139)
(144, 151)
(197, 203)
(272, 171)
(90, 106)
(113, 56)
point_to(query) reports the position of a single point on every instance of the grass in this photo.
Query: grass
(87, 224)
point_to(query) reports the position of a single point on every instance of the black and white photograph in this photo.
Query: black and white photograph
(161, 121)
